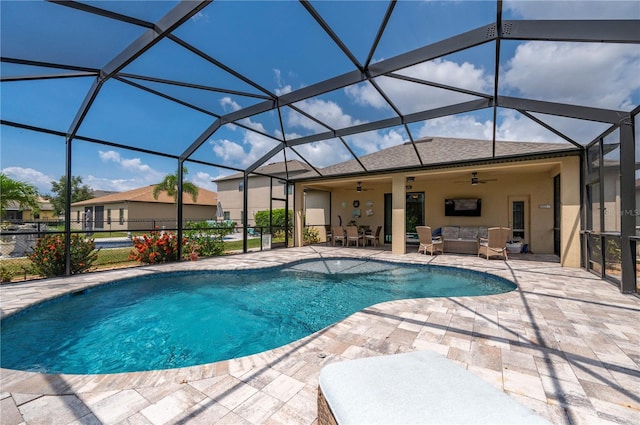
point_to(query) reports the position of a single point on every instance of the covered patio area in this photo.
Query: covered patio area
(562, 344)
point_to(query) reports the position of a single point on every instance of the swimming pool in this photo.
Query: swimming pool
(182, 319)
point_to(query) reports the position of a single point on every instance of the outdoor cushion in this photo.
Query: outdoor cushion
(421, 387)
(450, 232)
(468, 232)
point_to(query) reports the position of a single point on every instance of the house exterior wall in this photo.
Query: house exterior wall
(535, 187)
(232, 198)
(143, 215)
(44, 215)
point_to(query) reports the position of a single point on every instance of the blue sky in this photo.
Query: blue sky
(280, 48)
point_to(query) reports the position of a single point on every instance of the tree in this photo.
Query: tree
(79, 192)
(170, 185)
(21, 193)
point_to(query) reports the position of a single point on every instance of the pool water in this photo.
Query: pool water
(182, 319)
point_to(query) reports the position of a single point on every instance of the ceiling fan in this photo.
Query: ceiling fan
(475, 180)
(359, 187)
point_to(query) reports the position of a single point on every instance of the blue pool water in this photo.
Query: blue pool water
(183, 319)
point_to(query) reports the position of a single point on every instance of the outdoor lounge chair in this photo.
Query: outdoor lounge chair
(337, 234)
(354, 235)
(373, 238)
(328, 234)
(495, 245)
(422, 387)
(427, 243)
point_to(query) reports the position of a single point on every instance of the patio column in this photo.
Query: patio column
(570, 218)
(298, 208)
(398, 214)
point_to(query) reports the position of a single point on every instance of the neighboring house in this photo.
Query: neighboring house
(264, 191)
(138, 210)
(16, 214)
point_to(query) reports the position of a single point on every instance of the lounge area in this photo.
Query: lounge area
(559, 345)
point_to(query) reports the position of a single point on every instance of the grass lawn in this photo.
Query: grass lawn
(108, 258)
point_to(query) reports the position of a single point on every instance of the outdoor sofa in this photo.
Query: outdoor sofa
(462, 239)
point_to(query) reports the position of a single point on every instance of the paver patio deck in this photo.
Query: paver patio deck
(565, 343)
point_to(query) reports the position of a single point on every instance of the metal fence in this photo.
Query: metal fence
(114, 248)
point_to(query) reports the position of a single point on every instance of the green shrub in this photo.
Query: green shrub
(310, 235)
(6, 275)
(278, 220)
(207, 238)
(48, 255)
(156, 247)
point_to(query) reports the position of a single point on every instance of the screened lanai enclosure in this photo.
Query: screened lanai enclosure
(256, 104)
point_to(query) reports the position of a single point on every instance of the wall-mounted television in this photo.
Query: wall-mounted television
(465, 207)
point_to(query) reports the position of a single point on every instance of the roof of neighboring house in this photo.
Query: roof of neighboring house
(98, 193)
(145, 194)
(275, 168)
(45, 205)
(436, 150)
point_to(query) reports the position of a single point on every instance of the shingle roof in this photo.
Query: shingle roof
(145, 194)
(275, 168)
(437, 150)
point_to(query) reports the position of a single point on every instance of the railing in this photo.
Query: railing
(114, 247)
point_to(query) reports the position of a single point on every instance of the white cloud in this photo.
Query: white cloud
(200, 16)
(204, 180)
(326, 111)
(234, 154)
(229, 104)
(324, 153)
(599, 75)
(116, 185)
(366, 94)
(465, 126)
(412, 97)
(109, 156)
(516, 127)
(141, 174)
(573, 9)
(374, 141)
(40, 180)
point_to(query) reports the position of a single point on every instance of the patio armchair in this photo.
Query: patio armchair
(427, 242)
(328, 234)
(354, 235)
(495, 245)
(373, 238)
(337, 234)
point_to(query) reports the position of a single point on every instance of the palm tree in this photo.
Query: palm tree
(170, 185)
(13, 191)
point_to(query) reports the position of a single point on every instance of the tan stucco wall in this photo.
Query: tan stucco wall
(535, 187)
(259, 197)
(144, 215)
(570, 199)
(44, 215)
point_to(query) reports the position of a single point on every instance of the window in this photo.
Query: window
(77, 216)
(109, 216)
(241, 186)
(227, 215)
(121, 216)
(288, 189)
(518, 220)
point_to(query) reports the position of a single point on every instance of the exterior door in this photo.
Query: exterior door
(414, 213)
(519, 218)
(99, 217)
